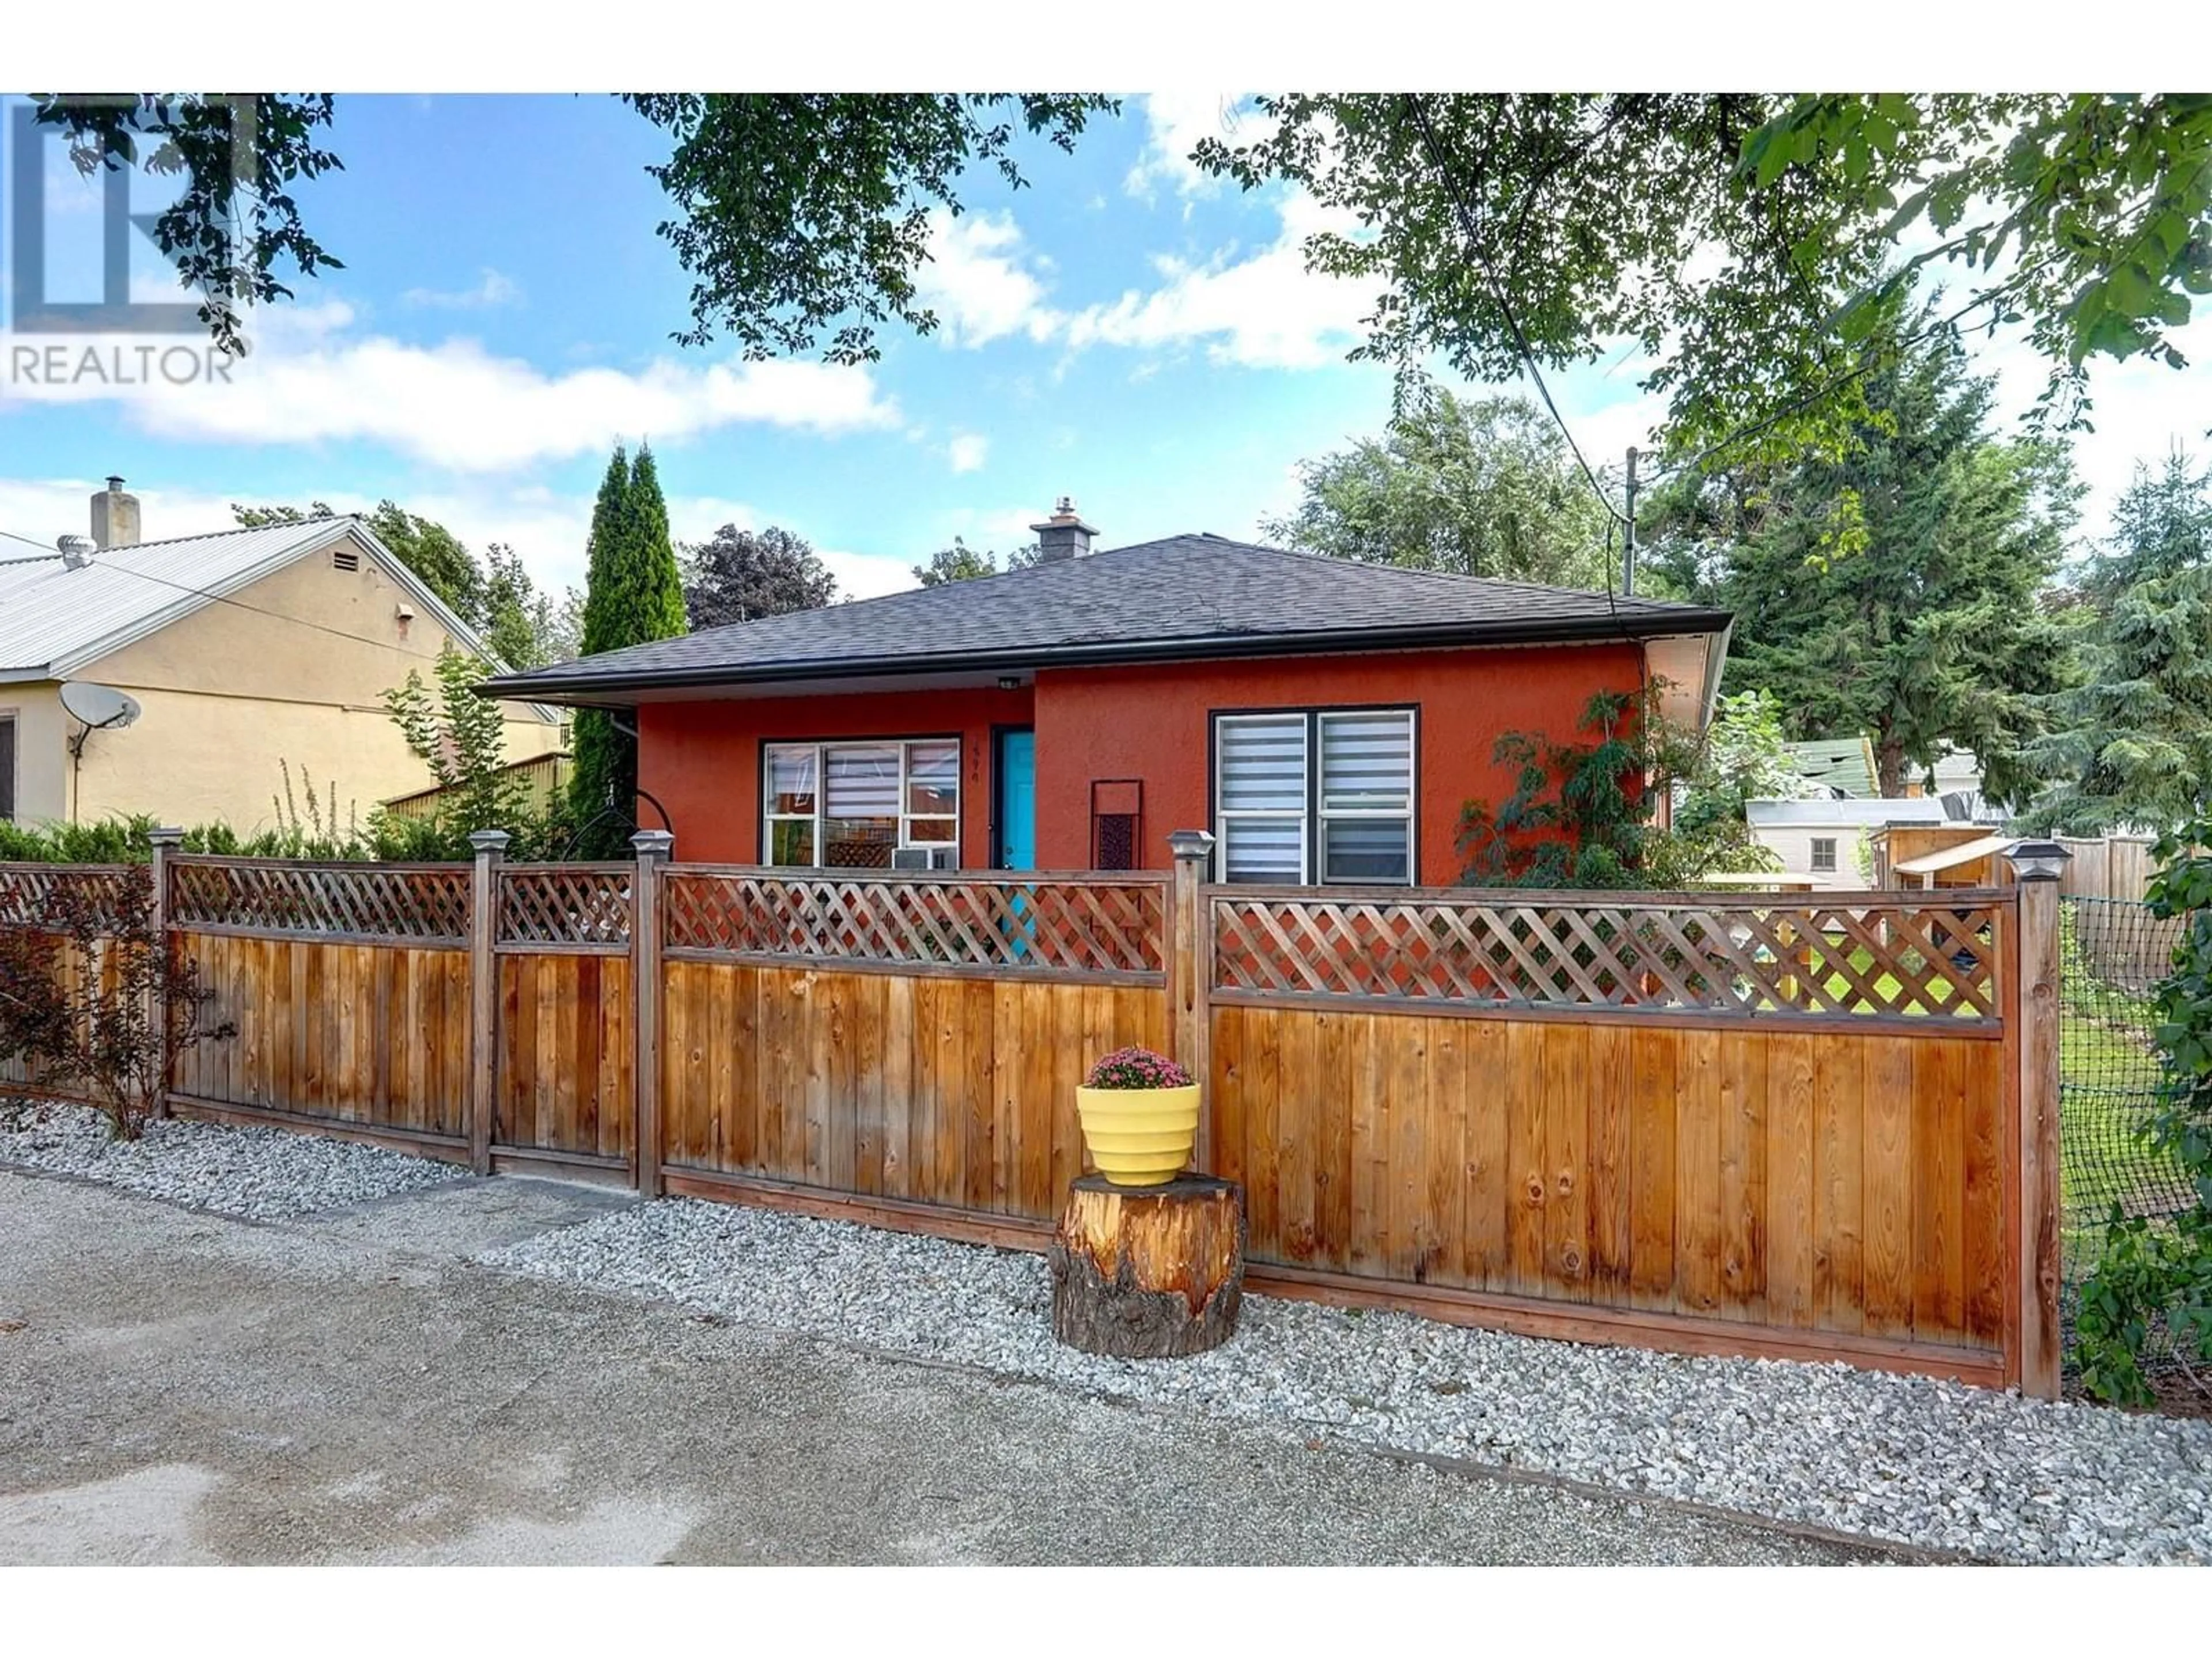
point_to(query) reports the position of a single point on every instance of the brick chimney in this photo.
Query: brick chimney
(114, 517)
(1064, 535)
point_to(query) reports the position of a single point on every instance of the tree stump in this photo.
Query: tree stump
(1148, 1273)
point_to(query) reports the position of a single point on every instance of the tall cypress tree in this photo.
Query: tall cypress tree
(633, 594)
(659, 594)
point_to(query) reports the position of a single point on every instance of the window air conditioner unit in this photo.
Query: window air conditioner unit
(921, 858)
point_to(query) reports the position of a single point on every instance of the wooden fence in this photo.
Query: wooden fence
(2108, 866)
(1733, 1113)
(1818, 1126)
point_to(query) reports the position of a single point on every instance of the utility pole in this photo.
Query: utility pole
(1628, 550)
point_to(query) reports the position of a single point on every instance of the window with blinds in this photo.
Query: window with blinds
(1367, 795)
(850, 806)
(1322, 796)
(1261, 796)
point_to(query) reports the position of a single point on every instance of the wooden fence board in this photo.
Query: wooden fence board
(1404, 1166)
(1364, 1243)
(1839, 1281)
(1525, 1156)
(1887, 1194)
(1791, 1247)
(1567, 1086)
(1439, 1205)
(1939, 1192)
(1491, 1194)
(1652, 1180)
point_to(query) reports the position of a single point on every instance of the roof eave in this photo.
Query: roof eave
(605, 687)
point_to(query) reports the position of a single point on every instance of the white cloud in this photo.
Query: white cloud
(968, 452)
(869, 575)
(2139, 409)
(981, 280)
(494, 289)
(313, 379)
(1263, 311)
(1176, 122)
(997, 529)
(1259, 309)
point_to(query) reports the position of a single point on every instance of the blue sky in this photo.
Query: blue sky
(1125, 331)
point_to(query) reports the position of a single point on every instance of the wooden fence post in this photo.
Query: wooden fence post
(654, 846)
(2037, 864)
(490, 847)
(166, 842)
(1190, 968)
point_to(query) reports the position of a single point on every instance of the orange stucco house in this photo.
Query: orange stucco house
(1324, 719)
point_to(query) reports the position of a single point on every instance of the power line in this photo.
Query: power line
(1434, 146)
(224, 599)
(1429, 142)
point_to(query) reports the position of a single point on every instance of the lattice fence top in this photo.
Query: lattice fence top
(26, 890)
(426, 904)
(565, 904)
(1040, 926)
(1813, 957)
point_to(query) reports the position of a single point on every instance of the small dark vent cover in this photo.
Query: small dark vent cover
(345, 558)
(1118, 824)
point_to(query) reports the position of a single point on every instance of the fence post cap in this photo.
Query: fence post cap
(653, 843)
(489, 840)
(1190, 843)
(2037, 860)
(166, 835)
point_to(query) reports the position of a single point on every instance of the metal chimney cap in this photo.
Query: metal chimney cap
(115, 483)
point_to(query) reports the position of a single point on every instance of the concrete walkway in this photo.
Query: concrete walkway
(177, 1387)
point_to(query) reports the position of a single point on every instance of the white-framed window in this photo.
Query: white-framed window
(850, 806)
(1304, 796)
(1824, 853)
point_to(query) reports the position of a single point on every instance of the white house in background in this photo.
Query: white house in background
(1822, 839)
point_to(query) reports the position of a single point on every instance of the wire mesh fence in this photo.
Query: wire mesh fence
(2112, 953)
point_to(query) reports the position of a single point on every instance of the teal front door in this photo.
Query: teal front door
(1016, 771)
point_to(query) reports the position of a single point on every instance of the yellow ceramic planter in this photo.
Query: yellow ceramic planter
(1138, 1137)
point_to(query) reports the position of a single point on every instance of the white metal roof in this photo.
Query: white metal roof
(1843, 814)
(1950, 857)
(54, 621)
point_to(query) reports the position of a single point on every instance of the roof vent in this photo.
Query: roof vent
(1064, 535)
(77, 551)
(345, 558)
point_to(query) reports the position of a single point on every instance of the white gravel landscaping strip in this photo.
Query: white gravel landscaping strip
(261, 1174)
(1904, 1459)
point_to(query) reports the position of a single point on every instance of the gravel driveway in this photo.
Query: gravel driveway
(178, 1386)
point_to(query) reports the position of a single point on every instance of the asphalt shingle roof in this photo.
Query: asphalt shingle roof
(1180, 597)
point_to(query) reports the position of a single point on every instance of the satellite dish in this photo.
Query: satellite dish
(99, 705)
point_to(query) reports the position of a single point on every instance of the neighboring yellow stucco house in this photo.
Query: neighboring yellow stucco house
(241, 648)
